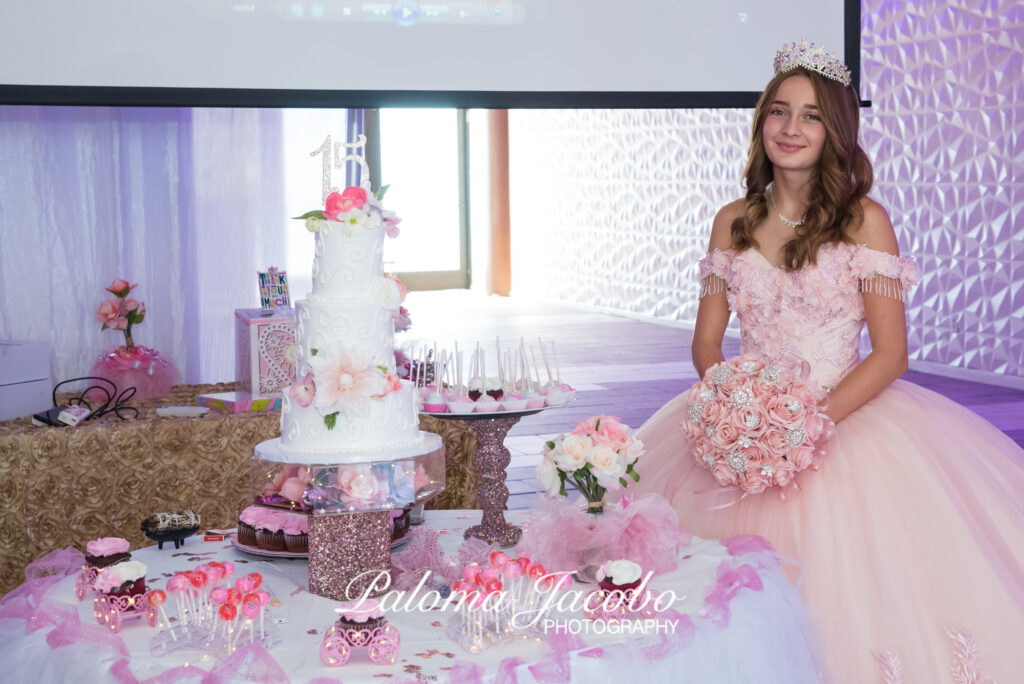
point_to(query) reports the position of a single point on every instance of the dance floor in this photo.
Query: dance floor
(620, 366)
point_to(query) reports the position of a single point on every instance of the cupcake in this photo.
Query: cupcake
(106, 551)
(269, 532)
(400, 522)
(364, 615)
(296, 533)
(127, 578)
(247, 524)
(619, 575)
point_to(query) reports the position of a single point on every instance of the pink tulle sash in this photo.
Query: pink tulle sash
(562, 536)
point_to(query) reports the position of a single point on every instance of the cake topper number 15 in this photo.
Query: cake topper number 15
(334, 152)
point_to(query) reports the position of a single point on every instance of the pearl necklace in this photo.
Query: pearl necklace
(788, 221)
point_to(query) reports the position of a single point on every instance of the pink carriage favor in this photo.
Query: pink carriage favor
(361, 624)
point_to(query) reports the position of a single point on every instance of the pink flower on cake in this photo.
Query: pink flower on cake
(394, 383)
(345, 381)
(304, 392)
(120, 287)
(339, 203)
(386, 292)
(391, 224)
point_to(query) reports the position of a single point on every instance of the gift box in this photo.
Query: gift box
(239, 402)
(265, 350)
(25, 384)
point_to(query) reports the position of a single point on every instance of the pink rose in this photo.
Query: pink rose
(774, 442)
(779, 411)
(723, 474)
(611, 433)
(391, 227)
(725, 435)
(802, 458)
(133, 305)
(120, 323)
(714, 412)
(108, 312)
(394, 383)
(754, 482)
(339, 203)
(120, 287)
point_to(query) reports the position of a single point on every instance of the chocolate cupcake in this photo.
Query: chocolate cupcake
(122, 579)
(296, 533)
(106, 551)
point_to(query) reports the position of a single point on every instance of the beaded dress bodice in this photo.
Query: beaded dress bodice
(814, 314)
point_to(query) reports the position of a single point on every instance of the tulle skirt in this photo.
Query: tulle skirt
(911, 536)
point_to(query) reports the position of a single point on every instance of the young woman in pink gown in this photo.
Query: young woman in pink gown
(911, 534)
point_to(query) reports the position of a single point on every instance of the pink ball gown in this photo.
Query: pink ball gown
(911, 533)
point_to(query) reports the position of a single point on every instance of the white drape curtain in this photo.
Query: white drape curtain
(188, 203)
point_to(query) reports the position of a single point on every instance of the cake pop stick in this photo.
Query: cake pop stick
(264, 599)
(157, 599)
(544, 355)
(554, 358)
(536, 371)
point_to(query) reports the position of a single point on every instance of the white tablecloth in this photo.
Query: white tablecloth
(762, 636)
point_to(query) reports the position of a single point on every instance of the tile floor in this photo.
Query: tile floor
(620, 366)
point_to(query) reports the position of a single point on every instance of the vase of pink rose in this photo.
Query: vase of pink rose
(600, 454)
(130, 365)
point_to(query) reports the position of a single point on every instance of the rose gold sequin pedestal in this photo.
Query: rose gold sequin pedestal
(491, 459)
(346, 553)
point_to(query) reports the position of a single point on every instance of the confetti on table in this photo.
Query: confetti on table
(435, 623)
(465, 517)
(298, 590)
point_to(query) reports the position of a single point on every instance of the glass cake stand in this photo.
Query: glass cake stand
(491, 459)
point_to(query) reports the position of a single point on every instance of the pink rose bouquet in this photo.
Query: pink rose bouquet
(600, 454)
(754, 425)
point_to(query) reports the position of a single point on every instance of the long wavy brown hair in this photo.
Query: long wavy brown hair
(843, 178)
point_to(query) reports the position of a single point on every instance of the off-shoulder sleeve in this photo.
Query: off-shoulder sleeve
(713, 272)
(882, 273)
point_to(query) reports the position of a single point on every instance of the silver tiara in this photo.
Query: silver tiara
(807, 56)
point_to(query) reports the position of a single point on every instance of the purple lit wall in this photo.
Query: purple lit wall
(613, 208)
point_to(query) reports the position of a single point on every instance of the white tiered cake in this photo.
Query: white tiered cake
(348, 406)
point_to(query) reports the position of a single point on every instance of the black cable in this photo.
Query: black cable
(119, 400)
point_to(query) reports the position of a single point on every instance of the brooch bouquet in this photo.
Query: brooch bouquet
(600, 454)
(754, 425)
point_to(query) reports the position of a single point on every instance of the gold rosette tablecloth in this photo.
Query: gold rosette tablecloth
(62, 487)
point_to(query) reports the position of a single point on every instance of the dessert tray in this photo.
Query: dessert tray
(495, 414)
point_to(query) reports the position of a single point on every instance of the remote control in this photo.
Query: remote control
(182, 411)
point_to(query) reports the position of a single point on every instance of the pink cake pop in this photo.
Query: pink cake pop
(257, 579)
(497, 558)
(489, 574)
(245, 584)
(157, 598)
(234, 596)
(471, 572)
(219, 595)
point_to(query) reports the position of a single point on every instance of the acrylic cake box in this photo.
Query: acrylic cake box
(264, 350)
(25, 384)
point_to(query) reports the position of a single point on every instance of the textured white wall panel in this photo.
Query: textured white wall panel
(613, 208)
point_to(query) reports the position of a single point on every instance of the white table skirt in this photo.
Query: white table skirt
(766, 638)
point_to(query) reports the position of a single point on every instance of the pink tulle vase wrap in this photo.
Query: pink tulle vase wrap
(130, 365)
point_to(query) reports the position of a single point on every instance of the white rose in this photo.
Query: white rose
(373, 219)
(385, 292)
(575, 453)
(547, 473)
(633, 451)
(607, 466)
(622, 572)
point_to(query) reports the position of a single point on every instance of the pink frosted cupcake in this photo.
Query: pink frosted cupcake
(247, 523)
(270, 532)
(106, 551)
(296, 533)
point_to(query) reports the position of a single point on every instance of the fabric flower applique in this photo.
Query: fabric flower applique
(346, 380)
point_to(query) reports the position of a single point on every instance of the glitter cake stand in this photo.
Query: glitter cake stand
(491, 459)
